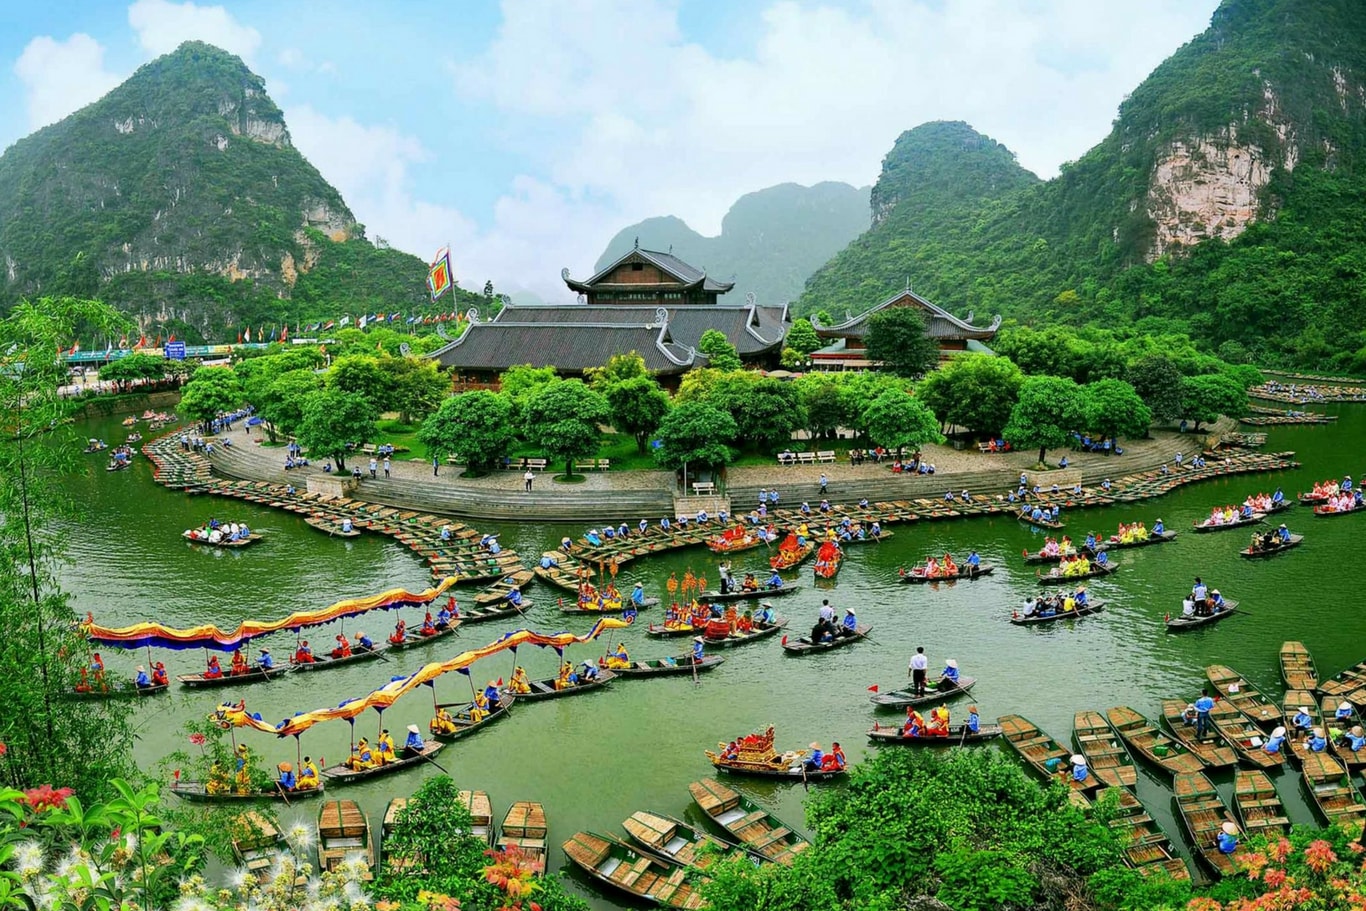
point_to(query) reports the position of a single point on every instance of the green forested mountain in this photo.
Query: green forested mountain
(1229, 200)
(770, 240)
(180, 198)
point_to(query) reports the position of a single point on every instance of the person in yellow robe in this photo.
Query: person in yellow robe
(308, 775)
(443, 723)
(619, 657)
(386, 747)
(519, 682)
(563, 681)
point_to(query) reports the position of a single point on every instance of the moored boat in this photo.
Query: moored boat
(935, 691)
(524, 827)
(1297, 667)
(1347, 683)
(1330, 786)
(1178, 623)
(652, 667)
(333, 528)
(545, 689)
(1152, 744)
(1295, 702)
(1041, 522)
(755, 828)
(256, 842)
(645, 876)
(199, 792)
(804, 645)
(1211, 749)
(1204, 813)
(462, 722)
(1243, 735)
(1042, 753)
(1254, 553)
(677, 841)
(1147, 848)
(343, 774)
(755, 755)
(480, 808)
(957, 736)
(715, 597)
(1258, 806)
(120, 691)
(192, 535)
(254, 674)
(1105, 754)
(343, 833)
(1243, 695)
(498, 591)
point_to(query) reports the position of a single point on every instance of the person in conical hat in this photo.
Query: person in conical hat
(1079, 770)
(1273, 744)
(414, 744)
(1227, 839)
(816, 757)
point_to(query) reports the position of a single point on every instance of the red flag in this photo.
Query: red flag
(157, 343)
(500, 682)
(170, 338)
(75, 346)
(142, 343)
(284, 332)
(784, 642)
(873, 688)
(239, 338)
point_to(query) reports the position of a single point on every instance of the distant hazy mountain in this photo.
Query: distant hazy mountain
(770, 242)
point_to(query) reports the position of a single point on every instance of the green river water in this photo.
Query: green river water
(595, 759)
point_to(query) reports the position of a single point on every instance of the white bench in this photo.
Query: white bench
(806, 458)
(703, 487)
(826, 456)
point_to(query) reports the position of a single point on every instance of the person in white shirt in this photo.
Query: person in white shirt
(919, 664)
(827, 612)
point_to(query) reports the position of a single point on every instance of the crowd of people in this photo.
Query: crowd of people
(1202, 601)
(1058, 604)
(215, 532)
(364, 756)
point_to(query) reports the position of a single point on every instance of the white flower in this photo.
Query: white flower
(192, 903)
(28, 859)
(240, 879)
(300, 836)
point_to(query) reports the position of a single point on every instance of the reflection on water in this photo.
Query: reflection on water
(593, 760)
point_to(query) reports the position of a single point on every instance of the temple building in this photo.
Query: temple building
(649, 302)
(845, 348)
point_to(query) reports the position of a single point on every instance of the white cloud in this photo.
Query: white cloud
(162, 26)
(62, 76)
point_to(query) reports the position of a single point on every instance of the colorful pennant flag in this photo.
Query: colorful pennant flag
(439, 277)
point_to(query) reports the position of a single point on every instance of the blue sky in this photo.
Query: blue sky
(525, 134)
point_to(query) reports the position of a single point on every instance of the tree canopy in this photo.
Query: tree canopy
(975, 391)
(698, 434)
(562, 421)
(1050, 409)
(332, 418)
(1204, 398)
(136, 366)
(1114, 409)
(476, 427)
(637, 405)
(898, 420)
(897, 339)
(720, 352)
(210, 392)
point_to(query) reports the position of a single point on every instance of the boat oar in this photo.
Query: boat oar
(435, 763)
(283, 793)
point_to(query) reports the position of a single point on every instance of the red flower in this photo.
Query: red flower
(41, 798)
(197, 739)
(3, 749)
(1274, 876)
(1319, 855)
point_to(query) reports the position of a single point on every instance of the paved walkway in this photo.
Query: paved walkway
(630, 495)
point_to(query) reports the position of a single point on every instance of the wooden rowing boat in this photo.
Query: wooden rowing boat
(1041, 523)
(344, 775)
(1042, 753)
(324, 662)
(1176, 624)
(1333, 729)
(654, 667)
(1092, 607)
(480, 808)
(1258, 806)
(498, 591)
(1257, 553)
(239, 543)
(788, 767)
(1161, 537)
(1211, 748)
(918, 576)
(1243, 735)
(829, 558)
(256, 843)
(1056, 576)
(252, 675)
(935, 691)
(679, 842)
(957, 736)
(715, 597)
(1147, 848)
(343, 833)
(1324, 512)
(1148, 741)
(463, 719)
(582, 607)
(545, 689)
(1345, 684)
(333, 528)
(121, 691)
(661, 631)
(1297, 667)
(1330, 786)
(789, 557)
(1240, 522)
(1203, 812)
(412, 639)
(198, 792)
(1105, 754)
(1294, 701)
(524, 827)
(492, 611)
(645, 876)
(1243, 695)
(804, 645)
(756, 829)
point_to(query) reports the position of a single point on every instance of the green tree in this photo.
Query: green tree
(1114, 409)
(1157, 380)
(43, 650)
(258, 375)
(824, 402)
(478, 428)
(766, 410)
(619, 367)
(695, 433)
(524, 381)
(975, 391)
(897, 420)
(333, 418)
(897, 340)
(210, 391)
(720, 353)
(136, 366)
(697, 385)
(802, 336)
(1050, 409)
(362, 375)
(562, 421)
(416, 386)
(281, 406)
(637, 406)
(1204, 398)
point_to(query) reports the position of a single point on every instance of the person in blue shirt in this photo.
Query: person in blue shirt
(548, 561)
(1346, 484)
(1203, 706)
(266, 662)
(1275, 741)
(623, 531)
(492, 696)
(1091, 543)
(1278, 496)
(1105, 485)
(950, 675)
(664, 523)
(974, 561)
(1102, 559)
(863, 503)
(365, 642)
(876, 530)
(1227, 841)
(1283, 533)
(638, 595)
(775, 580)
(1354, 739)
(974, 720)
(1344, 712)
(805, 508)
(1056, 511)
(1079, 597)
(643, 526)
(697, 643)
(1079, 770)
(849, 626)
(609, 532)
(286, 778)
(1303, 721)
(814, 760)
(514, 596)
(443, 617)
(1158, 527)
(414, 744)
(142, 679)
(773, 497)
(766, 615)
(1317, 742)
